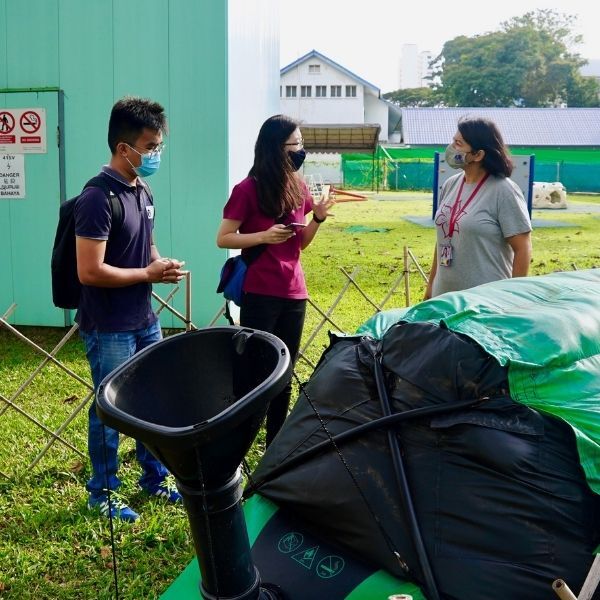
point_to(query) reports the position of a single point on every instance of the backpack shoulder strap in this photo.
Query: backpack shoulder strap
(147, 188)
(253, 253)
(116, 208)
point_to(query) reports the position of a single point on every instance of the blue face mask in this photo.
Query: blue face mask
(149, 166)
(150, 163)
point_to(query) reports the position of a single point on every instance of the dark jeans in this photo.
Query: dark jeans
(285, 319)
(105, 352)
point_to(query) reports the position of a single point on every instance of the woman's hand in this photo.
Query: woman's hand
(277, 234)
(228, 235)
(321, 208)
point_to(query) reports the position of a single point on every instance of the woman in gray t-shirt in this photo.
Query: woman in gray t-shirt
(483, 227)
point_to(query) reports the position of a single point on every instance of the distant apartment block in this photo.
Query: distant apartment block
(414, 67)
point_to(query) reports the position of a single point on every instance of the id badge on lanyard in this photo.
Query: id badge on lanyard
(446, 254)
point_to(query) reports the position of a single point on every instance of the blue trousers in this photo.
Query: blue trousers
(105, 352)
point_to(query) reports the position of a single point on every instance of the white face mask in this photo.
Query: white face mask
(455, 158)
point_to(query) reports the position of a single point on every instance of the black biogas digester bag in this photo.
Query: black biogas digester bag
(500, 497)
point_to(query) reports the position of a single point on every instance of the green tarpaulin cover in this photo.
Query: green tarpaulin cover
(546, 330)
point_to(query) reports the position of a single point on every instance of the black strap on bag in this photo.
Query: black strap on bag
(249, 256)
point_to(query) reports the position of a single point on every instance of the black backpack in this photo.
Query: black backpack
(66, 287)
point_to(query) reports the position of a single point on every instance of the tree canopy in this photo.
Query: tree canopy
(414, 97)
(527, 63)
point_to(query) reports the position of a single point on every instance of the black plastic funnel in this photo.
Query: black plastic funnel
(196, 400)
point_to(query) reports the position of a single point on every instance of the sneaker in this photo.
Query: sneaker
(165, 489)
(118, 509)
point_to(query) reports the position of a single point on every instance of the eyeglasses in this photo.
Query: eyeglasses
(299, 143)
(152, 153)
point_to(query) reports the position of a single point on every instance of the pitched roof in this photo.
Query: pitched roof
(332, 63)
(519, 126)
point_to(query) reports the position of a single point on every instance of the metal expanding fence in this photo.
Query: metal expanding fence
(54, 425)
(63, 426)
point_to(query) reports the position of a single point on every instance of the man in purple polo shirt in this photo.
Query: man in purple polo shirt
(115, 316)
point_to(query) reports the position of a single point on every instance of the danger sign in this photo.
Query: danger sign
(23, 130)
(12, 176)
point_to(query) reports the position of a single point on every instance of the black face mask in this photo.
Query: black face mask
(297, 157)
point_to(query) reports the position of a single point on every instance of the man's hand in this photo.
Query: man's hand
(165, 270)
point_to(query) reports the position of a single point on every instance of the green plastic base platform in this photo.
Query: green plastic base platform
(302, 565)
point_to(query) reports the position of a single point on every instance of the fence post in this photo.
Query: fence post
(406, 277)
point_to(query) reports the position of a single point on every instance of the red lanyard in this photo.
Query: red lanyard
(458, 210)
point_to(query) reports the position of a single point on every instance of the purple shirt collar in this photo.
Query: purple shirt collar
(115, 175)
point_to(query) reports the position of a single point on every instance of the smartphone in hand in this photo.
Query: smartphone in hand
(294, 226)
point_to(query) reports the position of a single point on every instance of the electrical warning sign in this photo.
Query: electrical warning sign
(12, 175)
(23, 130)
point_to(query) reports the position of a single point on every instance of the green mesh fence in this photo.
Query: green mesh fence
(364, 174)
(415, 175)
(578, 169)
(575, 177)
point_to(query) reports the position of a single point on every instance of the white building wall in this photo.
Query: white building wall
(253, 78)
(253, 82)
(376, 111)
(414, 67)
(324, 166)
(323, 110)
(394, 138)
(424, 68)
(409, 69)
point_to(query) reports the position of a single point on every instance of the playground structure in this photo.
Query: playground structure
(549, 195)
(319, 190)
(522, 175)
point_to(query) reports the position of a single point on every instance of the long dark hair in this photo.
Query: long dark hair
(483, 134)
(279, 189)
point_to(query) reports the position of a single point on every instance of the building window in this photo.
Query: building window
(336, 91)
(314, 69)
(321, 91)
(290, 91)
(306, 91)
(280, 91)
(350, 91)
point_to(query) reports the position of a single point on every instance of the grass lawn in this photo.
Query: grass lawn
(52, 548)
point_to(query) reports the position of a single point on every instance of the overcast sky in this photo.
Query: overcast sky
(366, 36)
